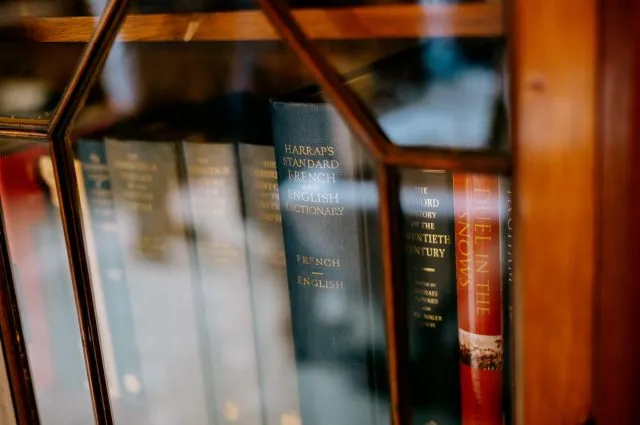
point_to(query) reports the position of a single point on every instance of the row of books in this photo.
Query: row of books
(235, 260)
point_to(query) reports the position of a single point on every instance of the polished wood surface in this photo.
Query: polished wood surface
(616, 389)
(393, 21)
(395, 300)
(554, 101)
(450, 159)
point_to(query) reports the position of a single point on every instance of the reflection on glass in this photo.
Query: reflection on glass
(30, 83)
(34, 71)
(43, 283)
(441, 92)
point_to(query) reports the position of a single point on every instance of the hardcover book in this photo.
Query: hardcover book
(324, 198)
(267, 267)
(214, 198)
(162, 289)
(108, 269)
(480, 307)
(427, 227)
(508, 295)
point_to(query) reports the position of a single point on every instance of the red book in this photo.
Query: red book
(24, 208)
(480, 310)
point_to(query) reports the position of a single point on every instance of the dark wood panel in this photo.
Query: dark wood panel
(617, 369)
(554, 96)
(393, 21)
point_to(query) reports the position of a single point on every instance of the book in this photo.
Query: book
(162, 289)
(480, 309)
(508, 295)
(213, 193)
(24, 208)
(324, 197)
(108, 269)
(268, 275)
(426, 201)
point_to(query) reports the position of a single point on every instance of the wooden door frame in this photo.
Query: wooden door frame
(616, 389)
(555, 115)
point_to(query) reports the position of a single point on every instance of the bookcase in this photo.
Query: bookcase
(559, 81)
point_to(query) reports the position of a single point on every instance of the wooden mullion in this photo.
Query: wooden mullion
(554, 105)
(62, 156)
(30, 128)
(394, 294)
(22, 134)
(489, 162)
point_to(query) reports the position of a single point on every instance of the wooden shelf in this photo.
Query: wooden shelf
(401, 21)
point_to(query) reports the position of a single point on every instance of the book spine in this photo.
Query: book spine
(427, 228)
(23, 209)
(111, 272)
(508, 294)
(478, 272)
(216, 213)
(326, 263)
(268, 274)
(144, 179)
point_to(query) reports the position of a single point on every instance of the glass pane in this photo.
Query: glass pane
(41, 43)
(438, 78)
(232, 219)
(188, 254)
(36, 243)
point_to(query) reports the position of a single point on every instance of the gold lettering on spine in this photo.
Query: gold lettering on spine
(422, 239)
(482, 232)
(265, 181)
(208, 186)
(312, 176)
(138, 197)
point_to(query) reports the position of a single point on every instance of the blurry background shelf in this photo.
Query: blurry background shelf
(397, 21)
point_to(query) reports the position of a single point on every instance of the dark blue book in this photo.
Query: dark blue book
(326, 201)
(126, 385)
